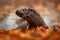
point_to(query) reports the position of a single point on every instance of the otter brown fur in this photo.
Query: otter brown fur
(32, 17)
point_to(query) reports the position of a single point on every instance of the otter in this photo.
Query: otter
(32, 17)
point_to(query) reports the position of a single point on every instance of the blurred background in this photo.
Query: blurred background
(48, 9)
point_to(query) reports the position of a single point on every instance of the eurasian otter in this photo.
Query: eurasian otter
(32, 17)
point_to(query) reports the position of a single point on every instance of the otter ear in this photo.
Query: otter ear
(31, 9)
(34, 11)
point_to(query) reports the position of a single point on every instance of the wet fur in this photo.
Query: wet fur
(32, 17)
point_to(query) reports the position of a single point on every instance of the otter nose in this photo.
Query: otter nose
(19, 13)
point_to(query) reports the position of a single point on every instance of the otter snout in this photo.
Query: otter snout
(19, 13)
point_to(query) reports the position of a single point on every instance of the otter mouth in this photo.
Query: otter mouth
(19, 13)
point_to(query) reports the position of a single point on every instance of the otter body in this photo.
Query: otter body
(32, 17)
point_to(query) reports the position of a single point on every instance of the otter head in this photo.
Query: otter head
(26, 13)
